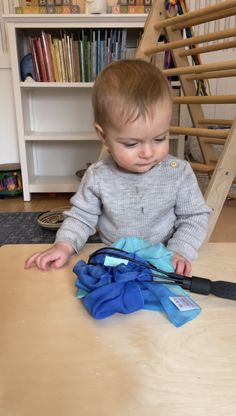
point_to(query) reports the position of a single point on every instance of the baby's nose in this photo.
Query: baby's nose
(146, 151)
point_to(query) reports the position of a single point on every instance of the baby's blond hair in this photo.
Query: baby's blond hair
(126, 90)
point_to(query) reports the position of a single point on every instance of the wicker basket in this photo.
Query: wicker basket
(52, 219)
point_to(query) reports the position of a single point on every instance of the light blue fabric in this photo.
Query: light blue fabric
(157, 254)
(126, 288)
(162, 293)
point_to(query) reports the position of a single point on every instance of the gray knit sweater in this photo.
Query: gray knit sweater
(164, 205)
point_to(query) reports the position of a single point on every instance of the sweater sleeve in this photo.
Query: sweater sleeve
(81, 220)
(192, 216)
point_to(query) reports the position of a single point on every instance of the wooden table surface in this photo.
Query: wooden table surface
(56, 360)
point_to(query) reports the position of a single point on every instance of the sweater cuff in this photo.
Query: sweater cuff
(183, 248)
(71, 239)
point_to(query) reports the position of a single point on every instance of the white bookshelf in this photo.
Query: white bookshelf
(56, 136)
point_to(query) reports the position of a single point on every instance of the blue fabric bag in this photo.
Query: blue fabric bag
(109, 285)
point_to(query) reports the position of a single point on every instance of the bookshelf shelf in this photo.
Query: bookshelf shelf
(33, 84)
(54, 119)
(64, 183)
(73, 20)
(57, 136)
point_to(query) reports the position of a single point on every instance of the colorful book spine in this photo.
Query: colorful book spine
(69, 56)
(56, 62)
(72, 58)
(81, 56)
(35, 58)
(46, 44)
(65, 57)
(86, 56)
(76, 65)
(41, 60)
(98, 51)
(62, 64)
(94, 56)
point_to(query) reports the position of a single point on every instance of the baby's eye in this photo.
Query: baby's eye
(160, 139)
(129, 144)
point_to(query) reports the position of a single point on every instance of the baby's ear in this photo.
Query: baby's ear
(100, 132)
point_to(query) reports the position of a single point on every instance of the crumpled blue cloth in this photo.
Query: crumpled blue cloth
(126, 288)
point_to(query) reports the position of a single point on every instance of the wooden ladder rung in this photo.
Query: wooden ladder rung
(201, 167)
(211, 140)
(196, 69)
(211, 48)
(205, 18)
(196, 13)
(195, 40)
(212, 75)
(216, 121)
(205, 99)
(195, 131)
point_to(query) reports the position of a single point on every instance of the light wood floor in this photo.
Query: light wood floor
(225, 229)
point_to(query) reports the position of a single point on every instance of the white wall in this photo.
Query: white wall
(8, 133)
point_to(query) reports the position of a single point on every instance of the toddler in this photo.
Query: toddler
(140, 189)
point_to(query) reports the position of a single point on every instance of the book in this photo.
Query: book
(35, 59)
(72, 58)
(65, 57)
(85, 55)
(102, 53)
(62, 64)
(56, 60)
(76, 61)
(94, 56)
(41, 61)
(46, 46)
(98, 70)
(123, 43)
(81, 58)
(88, 58)
(106, 48)
(69, 56)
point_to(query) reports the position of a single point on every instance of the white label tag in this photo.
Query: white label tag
(184, 303)
(114, 261)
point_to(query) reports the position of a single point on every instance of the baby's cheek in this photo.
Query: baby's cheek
(125, 158)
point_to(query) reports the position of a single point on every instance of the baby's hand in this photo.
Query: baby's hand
(181, 264)
(57, 256)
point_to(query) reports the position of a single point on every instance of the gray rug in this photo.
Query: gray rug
(22, 228)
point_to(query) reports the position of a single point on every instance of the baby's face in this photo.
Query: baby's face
(143, 143)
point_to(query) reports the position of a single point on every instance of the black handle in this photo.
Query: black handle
(225, 290)
(197, 285)
(203, 286)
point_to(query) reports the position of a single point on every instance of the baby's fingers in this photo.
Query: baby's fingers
(61, 261)
(45, 260)
(30, 262)
(42, 260)
(182, 267)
